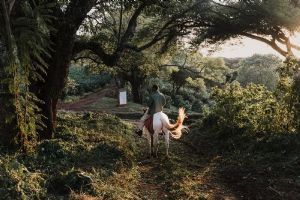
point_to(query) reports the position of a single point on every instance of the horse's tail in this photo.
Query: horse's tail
(177, 128)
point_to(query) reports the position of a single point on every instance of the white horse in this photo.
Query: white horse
(161, 124)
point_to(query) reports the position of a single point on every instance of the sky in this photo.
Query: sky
(246, 47)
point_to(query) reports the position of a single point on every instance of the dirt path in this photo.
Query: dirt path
(149, 187)
(86, 100)
(185, 175)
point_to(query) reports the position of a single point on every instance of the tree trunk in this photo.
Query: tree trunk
(136, 80)
(55, 81)
(136, 92)
(66, 25)
(8, 118)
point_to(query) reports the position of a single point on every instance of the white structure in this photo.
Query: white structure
(122, 97)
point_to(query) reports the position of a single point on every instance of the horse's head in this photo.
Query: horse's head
(145, 110)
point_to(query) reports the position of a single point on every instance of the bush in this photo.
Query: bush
(17, 182)
(74, 180)
(252, 109)
(169, 101)
(188, 95)
(180, 102)
(197, 106)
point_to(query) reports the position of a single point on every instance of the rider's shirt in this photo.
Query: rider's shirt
(156, 103)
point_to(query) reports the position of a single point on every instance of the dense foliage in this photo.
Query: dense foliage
(82, 80)
(252, 109)
(253, 134)
(92, 154)
(259, 69)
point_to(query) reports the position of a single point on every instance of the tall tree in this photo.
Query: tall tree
(68, 19)
(132, 29)
(66, 43)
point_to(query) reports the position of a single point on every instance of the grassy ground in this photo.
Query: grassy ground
(99, 102)
(91, 155)
(109, 104)
(97, 156)
(252, 166)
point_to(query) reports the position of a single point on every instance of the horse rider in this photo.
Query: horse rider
(156, 103)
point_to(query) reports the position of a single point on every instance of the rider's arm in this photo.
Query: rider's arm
(150, 101)
(164, 100)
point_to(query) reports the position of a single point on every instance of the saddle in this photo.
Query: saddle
(149, 125)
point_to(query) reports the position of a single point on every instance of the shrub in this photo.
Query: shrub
(180, 102)
(253, 109)
(74, 180)
(188, 95)
(169, 101)
(17, 182)
(197, 106)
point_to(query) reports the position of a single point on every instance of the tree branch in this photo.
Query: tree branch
(120, 22)
(129, 33)
(294, 46)
(88, 58)
(108, 59)
(160, 35)
(10, 5)
(76, 12)
(270, 43)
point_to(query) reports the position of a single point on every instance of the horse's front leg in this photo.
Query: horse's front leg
(150, 141)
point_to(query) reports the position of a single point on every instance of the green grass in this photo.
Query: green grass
(107, 103)
(74, 98)
(262, 166)
(98, 155)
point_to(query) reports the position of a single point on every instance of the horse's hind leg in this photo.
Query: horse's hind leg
(152, 146)
(155, 143)
(167, 140)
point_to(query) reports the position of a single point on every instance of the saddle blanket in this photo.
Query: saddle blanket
(149, 124)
